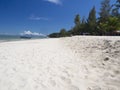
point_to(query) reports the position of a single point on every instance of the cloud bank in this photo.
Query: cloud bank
(58, 2)
(32, 33)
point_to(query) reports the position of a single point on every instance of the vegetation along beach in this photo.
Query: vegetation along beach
(60, 45)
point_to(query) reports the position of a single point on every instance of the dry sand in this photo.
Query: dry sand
(72, 63)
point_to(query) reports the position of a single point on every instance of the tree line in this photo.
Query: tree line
(107, 23)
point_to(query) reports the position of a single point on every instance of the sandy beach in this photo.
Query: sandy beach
(71, 63)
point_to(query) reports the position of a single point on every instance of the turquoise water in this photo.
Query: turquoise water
(6, 38)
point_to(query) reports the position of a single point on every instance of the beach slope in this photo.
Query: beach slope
(72, 63)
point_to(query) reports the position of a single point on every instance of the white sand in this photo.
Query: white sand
(73, 63)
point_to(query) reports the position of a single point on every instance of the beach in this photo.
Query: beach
(69, 63)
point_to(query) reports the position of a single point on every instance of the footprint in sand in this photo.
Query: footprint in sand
(73, 87)
(53, 83)
(94, 88)
(67, 80)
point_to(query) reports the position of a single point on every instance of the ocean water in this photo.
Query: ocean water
(6, 38)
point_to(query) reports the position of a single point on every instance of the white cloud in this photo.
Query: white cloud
(55, 1)
(27, 32)
(32, 33)
(37, 18)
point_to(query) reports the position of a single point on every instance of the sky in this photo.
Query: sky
(42, 16)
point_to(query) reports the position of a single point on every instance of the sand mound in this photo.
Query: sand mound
(100, 56)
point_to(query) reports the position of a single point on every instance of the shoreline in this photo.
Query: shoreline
(17, 40)
(9, 38)
(104, 37)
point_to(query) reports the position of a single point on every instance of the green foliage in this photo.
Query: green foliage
(105, 10)
(105, 25)
(92, 21)
(80, 26)
(92, 16)
(83, 20)
(77, 20)
(116, 9)
(113, 24)
(63, 33)
(110, 25)
(54, 35)
(76, 28)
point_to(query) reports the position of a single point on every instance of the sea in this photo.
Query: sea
(8, 38)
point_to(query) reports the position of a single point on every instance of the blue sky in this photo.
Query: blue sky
(43, 16)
